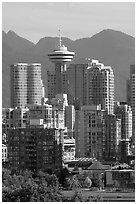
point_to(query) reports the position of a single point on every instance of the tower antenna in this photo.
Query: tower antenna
(59, 38)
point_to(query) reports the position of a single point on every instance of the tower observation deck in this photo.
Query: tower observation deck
(60, 57)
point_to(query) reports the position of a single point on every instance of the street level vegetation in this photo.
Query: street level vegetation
(25, 186)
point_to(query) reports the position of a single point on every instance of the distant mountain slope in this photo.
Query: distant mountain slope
(16, 42)
(110, 47)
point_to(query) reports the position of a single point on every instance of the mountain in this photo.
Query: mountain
(110, 47)
(16, 42)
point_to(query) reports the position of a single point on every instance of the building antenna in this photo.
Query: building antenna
(59, 38)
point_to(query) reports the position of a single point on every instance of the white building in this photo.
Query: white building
(100, 86)
(4, 153)
(70, 119)
(68, 147)
(124, 112)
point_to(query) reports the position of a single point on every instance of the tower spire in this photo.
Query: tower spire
(59, 38)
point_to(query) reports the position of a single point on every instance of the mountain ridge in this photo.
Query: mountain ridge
(113, 48)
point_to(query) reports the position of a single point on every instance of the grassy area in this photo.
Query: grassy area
(102, 195)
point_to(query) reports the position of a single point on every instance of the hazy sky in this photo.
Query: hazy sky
(77, 19)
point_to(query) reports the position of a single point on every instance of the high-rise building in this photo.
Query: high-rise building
(51, 91)
(97, 133)
(26, 84)
(124, 112)
(35, 148)
(60, 57)
(100, 86)
(88, 132)
(111, 136)
(131, 97)
(70, 120)
(51, 77)
(77, 84)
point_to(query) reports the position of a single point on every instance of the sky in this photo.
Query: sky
(35, 20)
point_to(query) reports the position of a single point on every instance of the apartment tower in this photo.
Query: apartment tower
(26, 84)
(100, 86)
(131, 97)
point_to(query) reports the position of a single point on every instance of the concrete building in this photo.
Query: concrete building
(4, 153)
(59, 103)
(60, 57)
(97, 133)
(52, 83)
(51, 77)
(131, 97)
(124, 150)
(44, 115)
(88, 132)
(77, 84)
(35, 148)
(26, 84)
(111, 136)
(16, 118)
(100, 86)
(68, 147)
(70, 120)
(124, 112)
(41, 115)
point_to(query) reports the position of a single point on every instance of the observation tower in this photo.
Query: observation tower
(60, 57)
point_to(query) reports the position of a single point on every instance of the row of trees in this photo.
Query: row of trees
(25, 186)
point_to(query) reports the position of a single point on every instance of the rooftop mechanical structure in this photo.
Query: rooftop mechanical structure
(60, 57)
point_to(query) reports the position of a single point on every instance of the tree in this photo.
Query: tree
(88, 182)
(24, 188)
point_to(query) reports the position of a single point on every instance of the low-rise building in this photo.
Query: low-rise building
(68, 147)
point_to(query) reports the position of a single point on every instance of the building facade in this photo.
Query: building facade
(4, 153)
(131, 97)
(124, 112)
(77, 84)
(70, 120)
(97, 133)
(88, 132)
(68, 147)
(111, 136)
(100, 86)
(52, 83)
(35, 148)
(26, 84)
(16, 118)
(51, 77)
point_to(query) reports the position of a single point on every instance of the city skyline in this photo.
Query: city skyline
(76, 19)
(68, 101)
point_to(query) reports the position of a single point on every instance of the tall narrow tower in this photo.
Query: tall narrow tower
(60, 57)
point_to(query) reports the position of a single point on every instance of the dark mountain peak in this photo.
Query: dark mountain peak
(3, 32)
(12, 34)
(112, 33)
